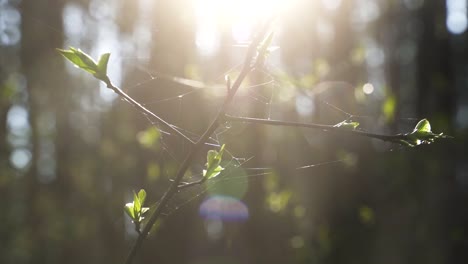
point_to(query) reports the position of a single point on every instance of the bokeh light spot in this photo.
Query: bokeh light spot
(20, 158)
(457, 22)
(368, 88)
(297, 242)
(331, 4)
(224, 208)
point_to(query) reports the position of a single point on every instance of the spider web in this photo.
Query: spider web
(173, 148)
(266, 99)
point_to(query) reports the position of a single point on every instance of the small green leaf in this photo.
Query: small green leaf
(85, 62)
(71, 56)
(210, 157)
(80, 59)
(213, 167)
(136, 204)
(142, 196)
(209, 174)
(421, 134)
(143, 211)
(102, 64)
(221, 151)
(423, 126)
(216, 171)
(101, 73)
(347, 125)
(129, 209)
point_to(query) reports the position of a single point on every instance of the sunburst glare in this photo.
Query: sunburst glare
(216, 17)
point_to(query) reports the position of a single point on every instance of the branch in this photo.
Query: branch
(99, 70)
(174, 187)
(144, 110)
(390, 138)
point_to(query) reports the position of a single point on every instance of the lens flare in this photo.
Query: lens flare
(224, 208)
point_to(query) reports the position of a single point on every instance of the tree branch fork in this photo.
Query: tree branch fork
(254, 59)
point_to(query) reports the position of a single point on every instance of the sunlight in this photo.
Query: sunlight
(237, 16)
(230, 11)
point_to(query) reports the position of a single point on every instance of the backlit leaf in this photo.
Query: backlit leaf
(136, 204)
(421, 134)
(347, 124)
(130, 210)
(142, 196)
(423, 126)
(213, 162)
(85, 62)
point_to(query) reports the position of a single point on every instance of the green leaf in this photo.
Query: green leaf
(423, 126)
(211, 173)
(142, 196)
(136, 204)
(136, 210)
(213, 167)
(101, 73)
(80, 59)
(220, 154)
(347, 125)
(143, 211)
(85, 62)
(129, 209)
(102, 64)
(210, 158)
(73, 57)
(421, 134)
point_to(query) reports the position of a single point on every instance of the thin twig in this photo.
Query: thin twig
(174, 187)
(144, 110)
(331, 128)
(190, 184)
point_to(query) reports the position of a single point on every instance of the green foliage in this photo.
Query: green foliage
(389, 107)
(366, 215)
(7, 90)
(277, 201)
(149, 137)
(347, 124)
(213, 161)
(423, 126)
(85, 62)
(135, 209)
(421, 134)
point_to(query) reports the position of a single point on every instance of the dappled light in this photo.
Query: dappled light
(224, 131)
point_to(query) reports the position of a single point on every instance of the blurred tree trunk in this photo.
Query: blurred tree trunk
(436, 78)
(5, 173)
(44, 70)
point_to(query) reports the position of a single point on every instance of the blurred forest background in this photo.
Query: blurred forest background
(71, 153)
